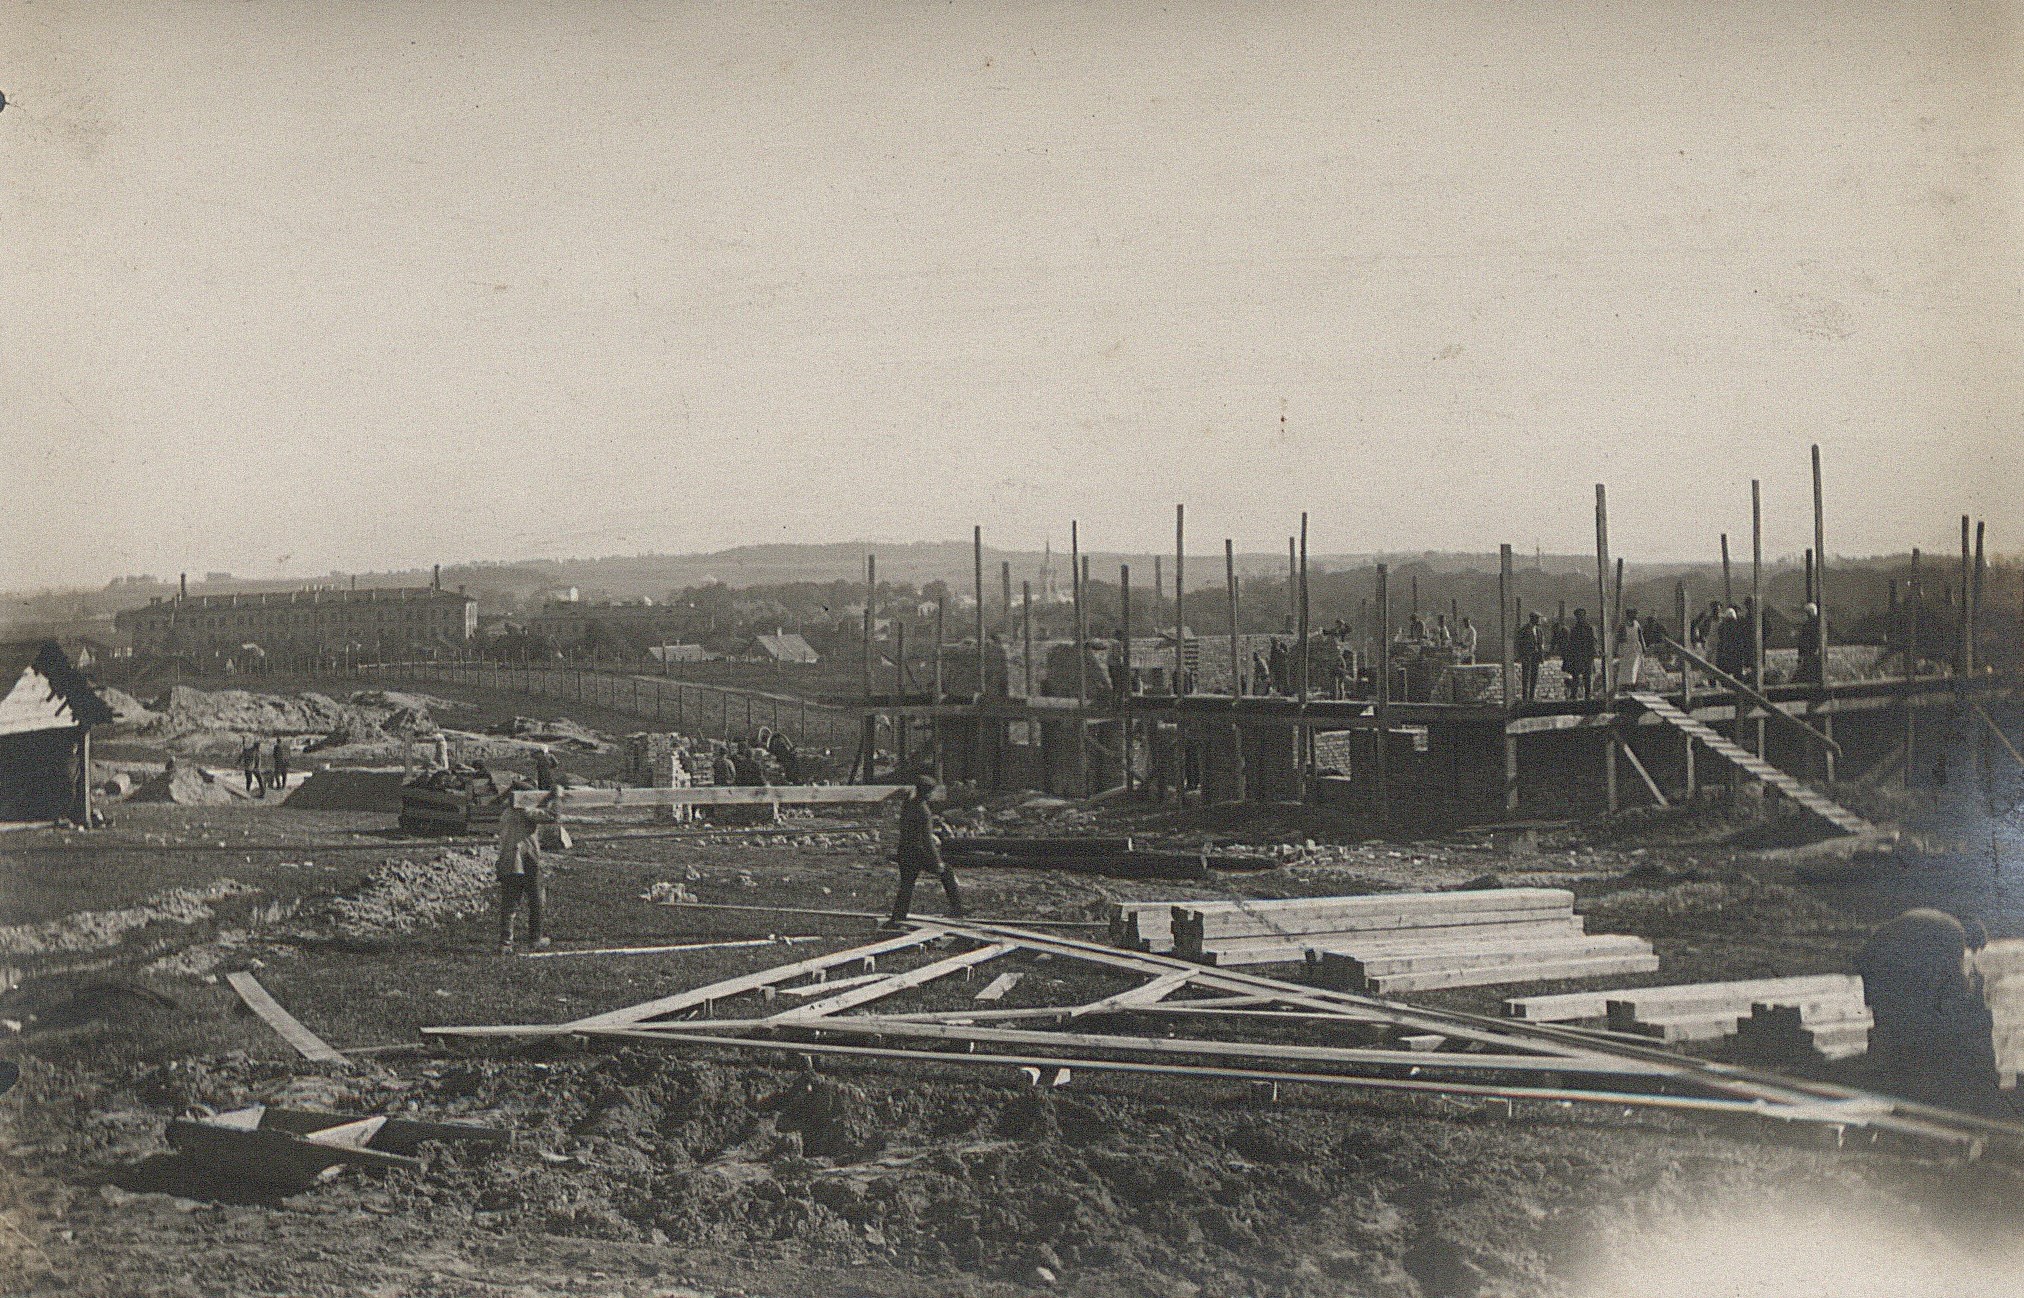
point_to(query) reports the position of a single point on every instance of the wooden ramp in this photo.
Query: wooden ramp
(1757, 768)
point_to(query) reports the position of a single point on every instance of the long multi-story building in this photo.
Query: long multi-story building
(299, 626)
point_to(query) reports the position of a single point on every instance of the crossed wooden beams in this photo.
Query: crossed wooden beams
(1423, 1051)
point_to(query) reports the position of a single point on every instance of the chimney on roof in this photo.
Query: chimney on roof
(437, 582)
(182, 585)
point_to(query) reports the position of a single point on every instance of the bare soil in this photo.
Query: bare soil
(669, 1170)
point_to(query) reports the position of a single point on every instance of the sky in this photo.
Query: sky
(292, 288)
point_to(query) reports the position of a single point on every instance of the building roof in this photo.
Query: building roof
(40, 690)
(787, 647)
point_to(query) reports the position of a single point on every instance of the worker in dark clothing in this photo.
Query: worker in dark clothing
(722, 769)
(1809, 646)
(280, 764)
(519, 867)
(784, 752)
(547, 771)
(1578, 658)
(746, 767)
(1531, 648)
(249, 763)
(920, 851)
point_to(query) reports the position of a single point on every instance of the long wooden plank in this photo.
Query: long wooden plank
(307, 1043)
(883, 987)
(1542, 971)
(1472, 900)
(1378, 965)
(1830, 1111)
(881, 1026)
(1546, 924)
(584, 798)
(700, 995)
(1146, 993)
(1570, 1007)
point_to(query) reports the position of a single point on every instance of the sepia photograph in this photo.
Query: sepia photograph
(998, 648)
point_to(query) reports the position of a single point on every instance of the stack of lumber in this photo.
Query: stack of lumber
(1146, 925)
(1710, 1011)
(1402, 942)
(1827, 1027)
(2001, 965)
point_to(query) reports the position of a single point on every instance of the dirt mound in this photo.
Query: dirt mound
(561, 732)
(342, 789)
(401, 896)
(191, 719)
(126, 709)
(91, 930)
(190, 786)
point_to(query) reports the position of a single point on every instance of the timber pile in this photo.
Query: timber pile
(1809, 1032)
(1183, 1022)
(1416, 941)
(1710, 1011)
(1146, 925)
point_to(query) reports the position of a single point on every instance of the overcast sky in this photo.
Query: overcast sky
(286, 288)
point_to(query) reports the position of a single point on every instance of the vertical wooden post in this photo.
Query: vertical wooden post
(1964, 653)
(1293, 581)
(1005, 589)
(1026, 630)
(1606, 636)
(1238, 790)
(1504, 632)
(1159, 590)
(1975, 598)
(84, 777)
(1917, 596)
(1757, 605)
(1081, 662)
(1504, 623)
(1304, 735)
(1180, 598)
(1123, 686)
(1300, 624)
(937, 732)
(1382, 709)
(1728, 587)
(1820, 603)
(900, 721)
(1605, 628)
(868, 731)
(1230, 588)
(1686, 682)
(978, 557)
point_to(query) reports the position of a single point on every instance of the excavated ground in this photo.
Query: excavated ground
(639, 1170)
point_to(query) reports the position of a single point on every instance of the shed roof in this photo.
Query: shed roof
(41, 690)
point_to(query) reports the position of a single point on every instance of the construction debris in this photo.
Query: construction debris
(1400, 1048)
(286, 1148)
(311, 1046)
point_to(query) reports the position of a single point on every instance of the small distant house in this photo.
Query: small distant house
(678, 653)
(47, 711)
(785, 647)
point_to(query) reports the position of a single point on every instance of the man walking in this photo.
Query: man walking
(519, 867)
(280, 764)
(1531, 650)
(920, 851)
(1578, 658)
(249, 763)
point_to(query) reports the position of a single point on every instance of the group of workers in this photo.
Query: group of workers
(264, 766)
(518, 867)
